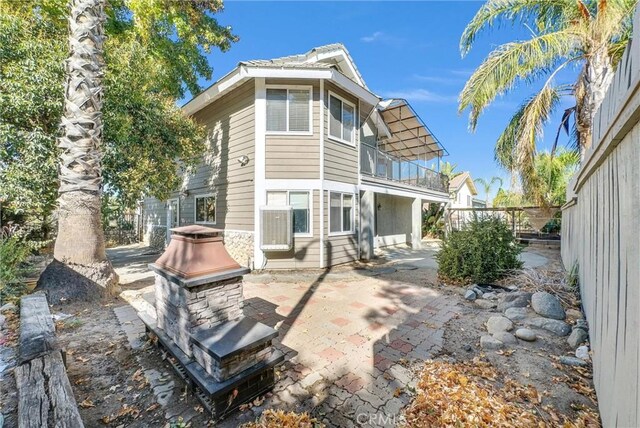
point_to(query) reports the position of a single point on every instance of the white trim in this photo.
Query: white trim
(309, 193)
(168, 226)
(351, 143)
(338, 186)
(195, 207)
(234, 78)
(259, 193)
(286, 184)
(243, 72)
(352, 231)
(309, 89)
(317, 57)
(321, 186)
(428, 196)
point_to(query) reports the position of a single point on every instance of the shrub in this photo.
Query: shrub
(13, 252)
(484, 251)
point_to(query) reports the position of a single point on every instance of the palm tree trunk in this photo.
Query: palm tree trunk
(79, 250)
(590, 92)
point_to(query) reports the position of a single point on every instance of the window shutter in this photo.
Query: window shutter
(276, 109)
(299, 110)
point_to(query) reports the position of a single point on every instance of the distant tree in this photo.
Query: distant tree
(487, 185)
(590, 34)
(553, 172)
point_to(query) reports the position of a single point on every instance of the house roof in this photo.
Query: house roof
(456, 183)
(410, 137)
(334, 55)
(331, 62)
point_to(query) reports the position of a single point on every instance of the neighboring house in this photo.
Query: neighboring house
(300, 146)
(462, 191)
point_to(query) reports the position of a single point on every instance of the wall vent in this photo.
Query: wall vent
(276, 224)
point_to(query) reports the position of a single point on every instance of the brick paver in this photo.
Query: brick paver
(350, 345)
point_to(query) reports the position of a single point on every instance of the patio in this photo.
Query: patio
(352, 337)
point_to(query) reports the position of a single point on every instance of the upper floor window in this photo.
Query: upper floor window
(342, 115)
(205, 209)
(469, 200)
(289, 110)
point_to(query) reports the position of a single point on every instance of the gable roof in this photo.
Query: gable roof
(334, 55)
(456, 183)
(331, 62)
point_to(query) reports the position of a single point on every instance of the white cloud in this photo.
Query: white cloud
(422, 95)
(382, 37)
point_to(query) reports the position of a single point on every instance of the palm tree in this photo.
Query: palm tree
(554, 172)
(80, 268)
(487, 185)
(448, 169)
(590, 34)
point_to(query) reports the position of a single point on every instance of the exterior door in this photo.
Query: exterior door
(173, 216)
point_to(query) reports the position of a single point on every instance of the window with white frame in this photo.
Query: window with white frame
(289, 110)
(469, 200)
(341, 212)
(205, 209)
(300, 202)
(342, 123)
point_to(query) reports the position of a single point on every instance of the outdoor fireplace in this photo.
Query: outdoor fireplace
(226, 357)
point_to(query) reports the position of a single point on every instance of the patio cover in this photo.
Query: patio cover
(410, 138)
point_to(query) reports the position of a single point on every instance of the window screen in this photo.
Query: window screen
(298, 110)
(335, 204)
(335, 119)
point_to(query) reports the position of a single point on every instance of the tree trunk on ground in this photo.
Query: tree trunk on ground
(81, 269)
(590, 92)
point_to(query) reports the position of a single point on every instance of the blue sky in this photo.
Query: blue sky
(403, 49)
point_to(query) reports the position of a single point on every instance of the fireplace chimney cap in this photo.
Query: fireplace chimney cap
(196, 231)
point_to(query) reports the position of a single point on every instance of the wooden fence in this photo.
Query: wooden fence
(601, 236)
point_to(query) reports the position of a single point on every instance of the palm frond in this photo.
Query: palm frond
(511, 62)
(547, 14)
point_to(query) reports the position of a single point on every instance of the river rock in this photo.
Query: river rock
(581, 324)
(547, 305)
(490, 296)
(470, 295)
(477, 290)
(489, 342)
(526, 334)
(583, 352)
(516, 314)
(485, 304)
(515, 299)
(578, 337)
(557, 327)
(505, 337)
(3, 321)
(498, 324)
(573, 361)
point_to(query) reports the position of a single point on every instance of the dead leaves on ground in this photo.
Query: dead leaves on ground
(465, 394)
(281, 419)
(125, 411)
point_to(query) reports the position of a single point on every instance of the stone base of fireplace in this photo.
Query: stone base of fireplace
(242, 384)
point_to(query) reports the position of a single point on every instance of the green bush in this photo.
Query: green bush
(13, 252)
(484, 251)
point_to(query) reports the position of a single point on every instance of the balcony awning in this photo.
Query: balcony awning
(410, 137)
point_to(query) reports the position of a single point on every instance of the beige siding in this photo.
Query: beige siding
(230, 134)
(340, 248)
(601, 234)
(306, 251)
(295, 156)
(340, 159)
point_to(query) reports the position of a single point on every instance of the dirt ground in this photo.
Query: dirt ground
(111, 390)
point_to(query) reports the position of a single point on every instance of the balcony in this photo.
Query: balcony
(378, 164)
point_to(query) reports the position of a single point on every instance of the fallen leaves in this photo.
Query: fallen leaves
(87, 403)
(466, 394)
(125, 411)
(280, 419)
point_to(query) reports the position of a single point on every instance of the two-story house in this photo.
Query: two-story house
(304, 134)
